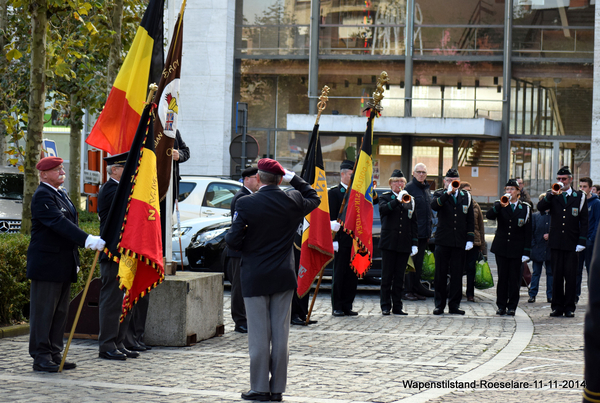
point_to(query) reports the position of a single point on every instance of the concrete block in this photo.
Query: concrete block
(184, 309)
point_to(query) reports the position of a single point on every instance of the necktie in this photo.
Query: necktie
(66, 199)
(513, 207)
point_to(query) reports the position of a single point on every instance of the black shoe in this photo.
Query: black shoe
(297, 321)
(419, 296)
(241, 328)
(137, 347)
(66, 365)
(569, 314)
(409, 296)
(338, 312)
(351, 313)
(398, 312)
(46, 366)
(471, 299)
(531, 300)
(276, 397)
(260, 396)
(385, 311)
(510, 312)
(556, 313)
(501, 311)
(147, 347)
(456, 311)
(549, 300)
(438, 311)
(129, 354)
(112, 355)
(312, 322)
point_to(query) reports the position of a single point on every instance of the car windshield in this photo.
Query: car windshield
(11, 186)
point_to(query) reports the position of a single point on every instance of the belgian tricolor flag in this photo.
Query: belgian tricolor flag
(317, 244)
(115, 128)
(357, 216)
(132, 231)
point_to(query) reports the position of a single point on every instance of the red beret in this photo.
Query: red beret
(270, 166)
(48, 163)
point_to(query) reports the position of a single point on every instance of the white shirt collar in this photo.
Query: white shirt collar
(249, 190)
(569, 191)
(52, 187)
(345, 186)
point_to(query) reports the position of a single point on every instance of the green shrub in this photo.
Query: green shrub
(14, 286)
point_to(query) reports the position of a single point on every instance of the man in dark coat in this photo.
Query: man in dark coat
(345, 280)
(568, 236)
(238, 311)
(397, 242)
(591, 333)
(540, 253)
(264, 227)
(585, 257)
(418, 188)
(454, 235)
(52, 264)
(511, 246)
(112, 332)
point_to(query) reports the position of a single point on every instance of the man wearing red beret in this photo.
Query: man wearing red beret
(52, 264)
(264, 227)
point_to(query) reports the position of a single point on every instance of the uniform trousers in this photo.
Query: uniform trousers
(49, 306)
(238, 310)
(268, 332)
(564, 287)
(110, 306)
(393, 266)
(510, 271)
(412, 278)
(448, 261)
(137, 324)
(345, 281)
(535, 278)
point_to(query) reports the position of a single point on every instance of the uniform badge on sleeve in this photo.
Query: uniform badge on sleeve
(465, 209)
(521, 222)
(575, 212)
(410, 213)
(234, 215)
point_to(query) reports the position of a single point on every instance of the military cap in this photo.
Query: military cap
(249, 172)
(564, 171)
(347, 164)
(118, 159)
(397, 174)
(512, 182)
(270, 166)
(48, 163)
(452, 173)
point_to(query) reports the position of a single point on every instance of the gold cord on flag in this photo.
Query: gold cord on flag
(322, 102)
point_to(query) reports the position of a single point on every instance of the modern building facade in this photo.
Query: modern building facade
(496, 88)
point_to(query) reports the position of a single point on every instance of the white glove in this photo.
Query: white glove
(579, 248)
(450, 188)
(469, 245)
(289, 175)
(94, 242)
(524, 259)
(336, 246)
(335, 226)
(415, 250)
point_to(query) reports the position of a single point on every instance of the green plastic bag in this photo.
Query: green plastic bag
(428, 270)
(483, 276)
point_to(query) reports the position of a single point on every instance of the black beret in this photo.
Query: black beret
(564, 171)
(512, 182)
(347, 164)
(397, 174)
(119, 159)
(452, 173)
(249, 172)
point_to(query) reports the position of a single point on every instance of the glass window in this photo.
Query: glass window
(478, 165)
(185, 188)
(11, 186)
(533, 162)
(219, 195)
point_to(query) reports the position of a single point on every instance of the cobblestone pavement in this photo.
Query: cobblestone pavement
(368, 358)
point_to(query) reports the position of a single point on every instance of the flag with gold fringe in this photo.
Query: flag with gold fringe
(317, 245)
(133, 231)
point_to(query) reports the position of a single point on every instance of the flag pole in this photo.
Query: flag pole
(320, 107)
(83, 295)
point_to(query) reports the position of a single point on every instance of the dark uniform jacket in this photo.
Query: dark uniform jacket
(105, 199)
(513, 234)
(591, 332)
(240, 193)
(264, 227)
(568, 219)
(456, 221)
(52, 254)
(336, 197)
(540, 225)
(420, 192)
(399, 227)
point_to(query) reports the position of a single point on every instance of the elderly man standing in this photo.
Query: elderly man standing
(568, 236)
(418, 188)
(52, 264)
(264, 227)
(454, 235)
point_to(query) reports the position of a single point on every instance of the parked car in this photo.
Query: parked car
(11, 200)
(189, 228)
(207, 251)
(201, 196)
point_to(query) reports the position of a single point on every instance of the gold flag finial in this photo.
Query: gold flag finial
(378, 94)
(153, 88)
(322, 102)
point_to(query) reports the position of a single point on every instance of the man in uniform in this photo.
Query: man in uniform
(112, 332)
(585, 257)
(454, 235)
(238, 311)
(568, 236)
(52, 264)
(264, 227)
(345, 280)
